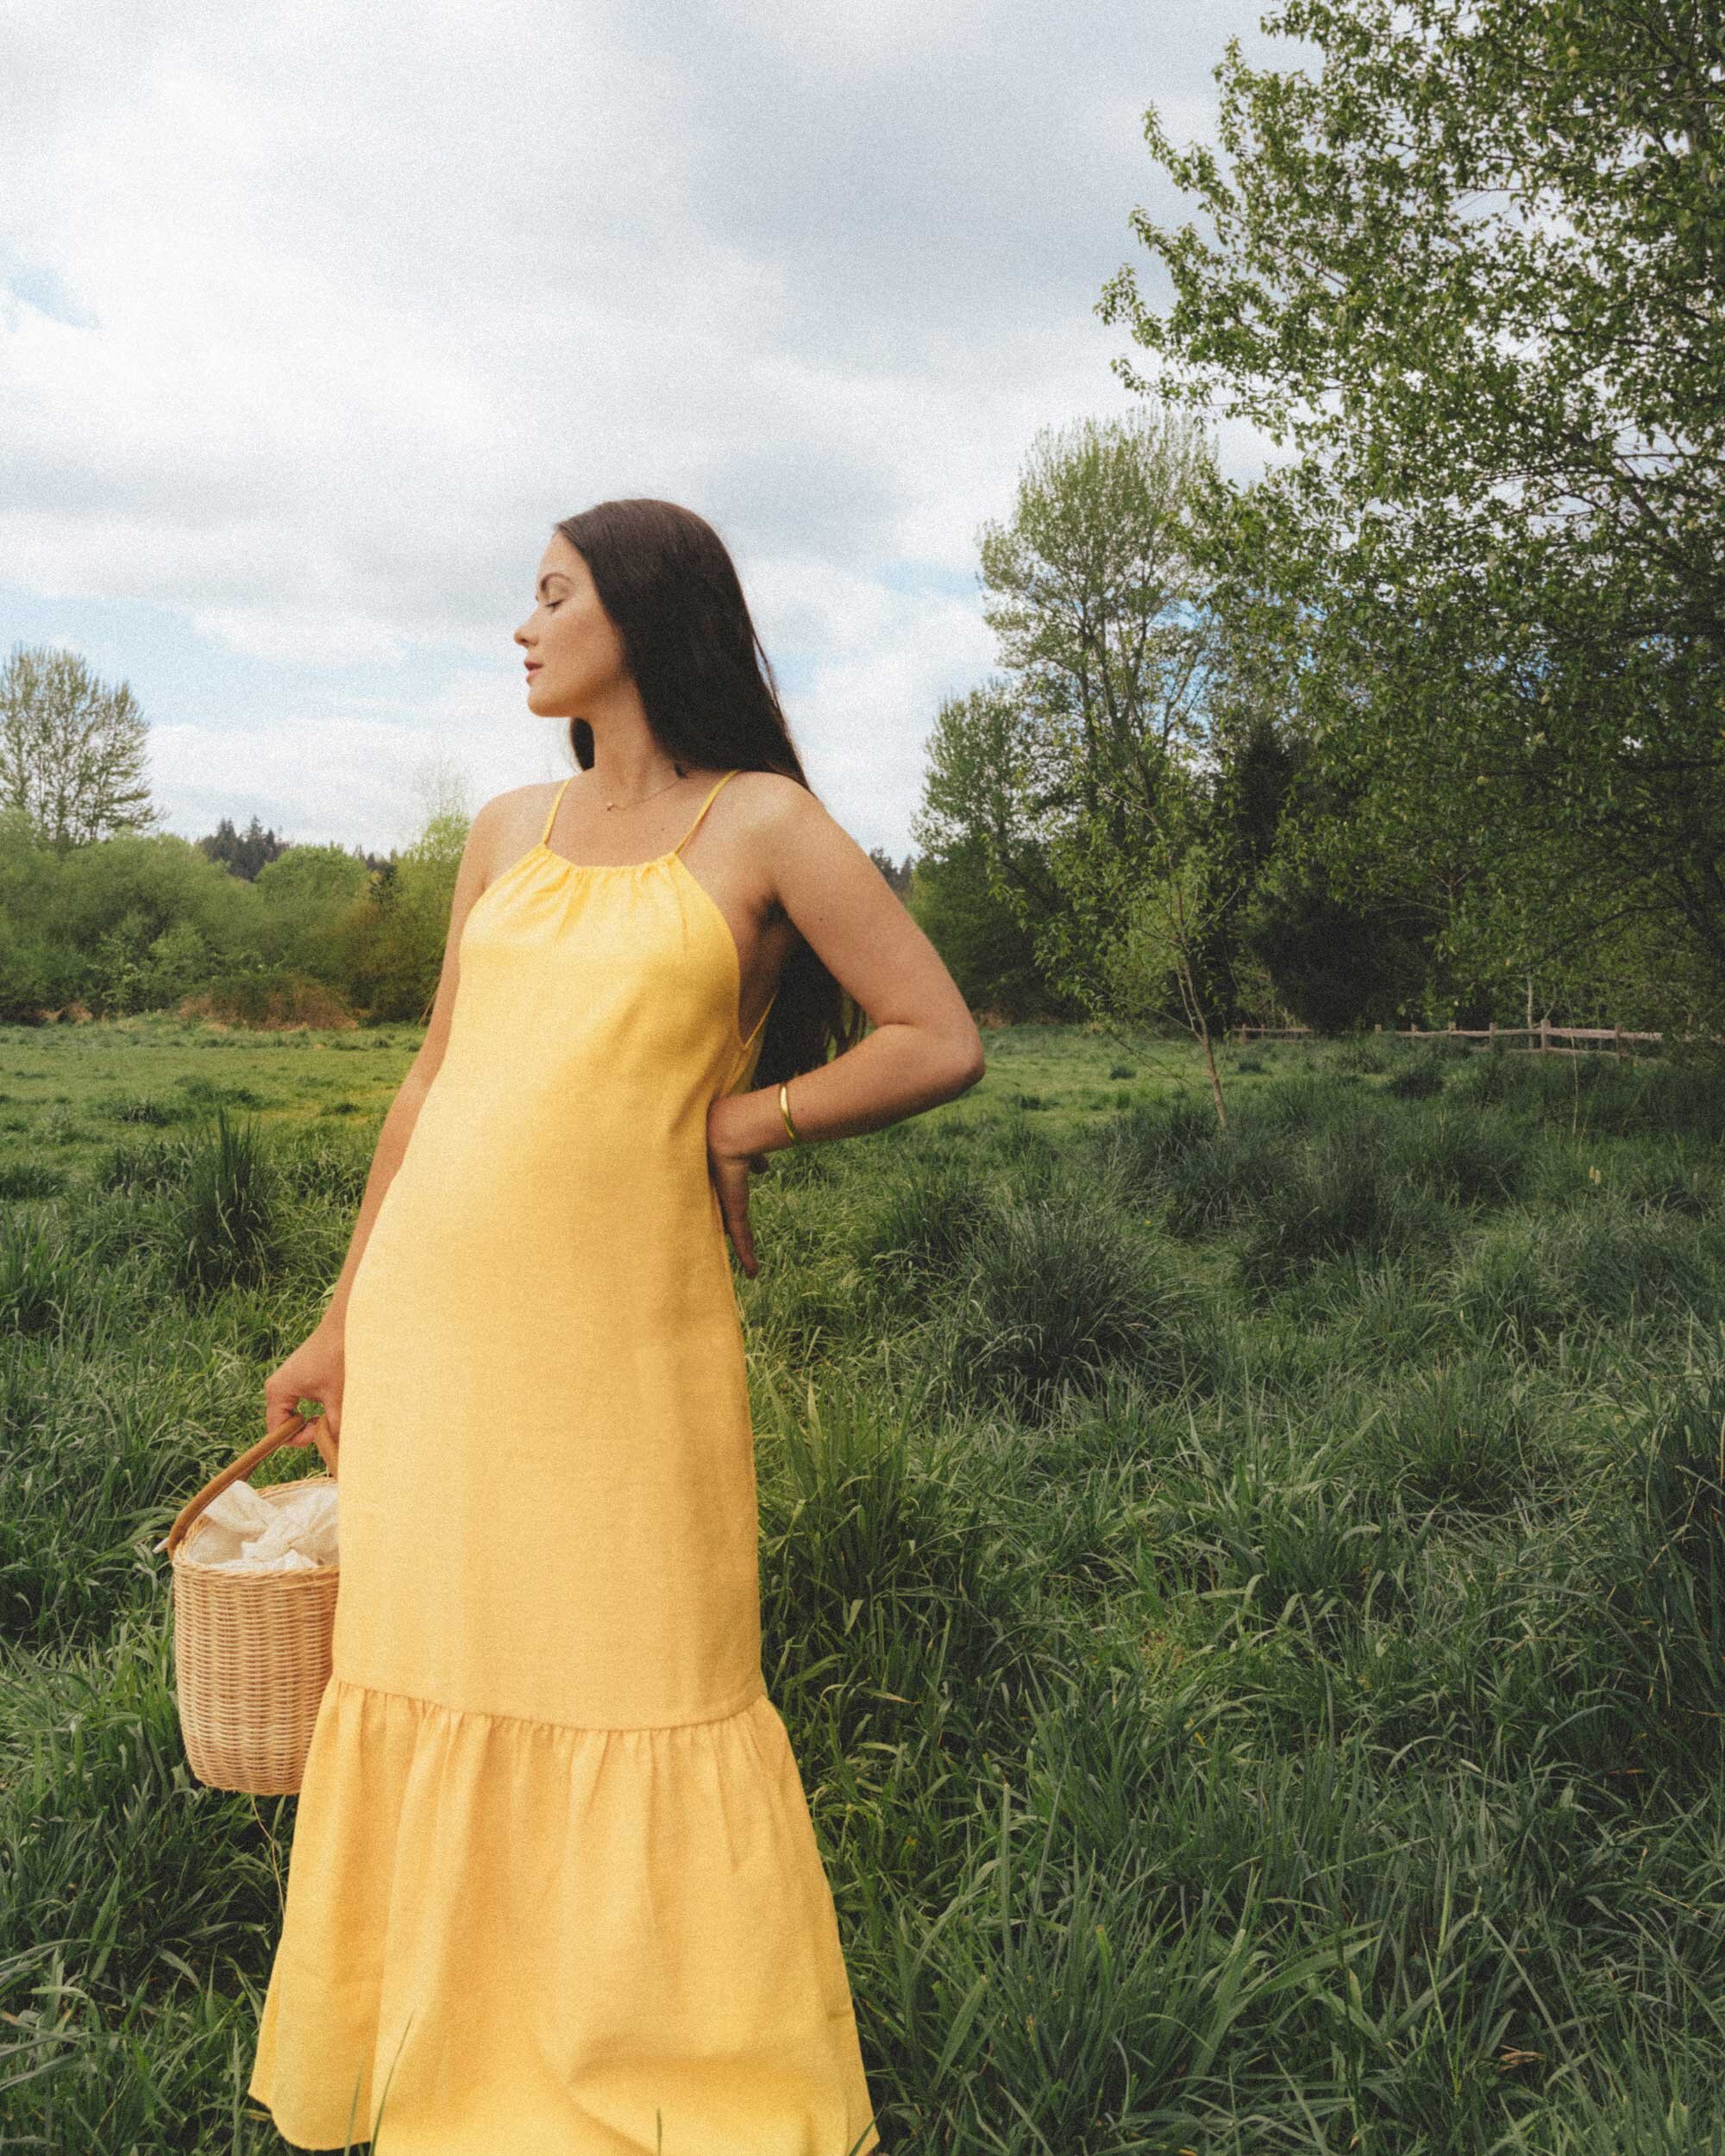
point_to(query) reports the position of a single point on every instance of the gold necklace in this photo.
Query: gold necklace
(645, 798)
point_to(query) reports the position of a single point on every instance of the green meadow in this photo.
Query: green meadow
(1249, 1604)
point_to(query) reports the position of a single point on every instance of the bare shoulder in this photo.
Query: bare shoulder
(768, 793)
(517, 800)
(775, 810)
(506, 825)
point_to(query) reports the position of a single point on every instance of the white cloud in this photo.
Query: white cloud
(318, 316)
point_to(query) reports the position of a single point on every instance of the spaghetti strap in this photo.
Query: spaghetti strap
(556, 803)
(702, 811)
(761, 1020)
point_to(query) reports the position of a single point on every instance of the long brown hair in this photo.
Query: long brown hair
(665, 578)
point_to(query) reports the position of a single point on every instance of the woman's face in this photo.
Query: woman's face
(575, 655)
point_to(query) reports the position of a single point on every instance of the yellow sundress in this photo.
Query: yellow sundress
(553, 1879)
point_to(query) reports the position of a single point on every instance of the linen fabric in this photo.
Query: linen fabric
(554, 1888)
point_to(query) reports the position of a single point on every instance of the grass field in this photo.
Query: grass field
(1249, 1608)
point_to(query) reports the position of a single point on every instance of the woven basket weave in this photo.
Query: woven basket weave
(251, 1651)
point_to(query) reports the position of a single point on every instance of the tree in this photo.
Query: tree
(982, 791)
(897, 873)
(421, 893)
(72, 748)
(243, 852)
(1469, 272)
(1140, 921)
(306, 892)
(1094, 594)
(1081, 774)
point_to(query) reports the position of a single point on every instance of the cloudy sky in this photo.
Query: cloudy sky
(314, 318)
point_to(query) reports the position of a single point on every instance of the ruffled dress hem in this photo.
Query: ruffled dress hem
(562, 1941)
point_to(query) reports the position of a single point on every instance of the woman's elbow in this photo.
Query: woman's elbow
(969, 1062)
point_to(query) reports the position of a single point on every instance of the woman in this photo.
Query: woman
(554, 1888)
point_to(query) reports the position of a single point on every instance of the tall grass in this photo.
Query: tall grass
(1249, 1606)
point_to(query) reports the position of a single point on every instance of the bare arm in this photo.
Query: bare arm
(923, 1048)
(471, 878)
(313, 1370)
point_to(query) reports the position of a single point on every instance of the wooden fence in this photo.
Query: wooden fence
(1541, 1039)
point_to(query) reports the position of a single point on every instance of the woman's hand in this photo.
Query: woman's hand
(314, 1372)
(729, 1169)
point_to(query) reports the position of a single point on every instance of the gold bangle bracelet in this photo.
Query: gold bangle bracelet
(785, 1110)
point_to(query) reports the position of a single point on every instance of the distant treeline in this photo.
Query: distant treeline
(103, 914)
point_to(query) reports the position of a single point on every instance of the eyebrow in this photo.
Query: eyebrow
(546, 578)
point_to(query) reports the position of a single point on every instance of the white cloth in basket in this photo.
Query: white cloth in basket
(240, 1530)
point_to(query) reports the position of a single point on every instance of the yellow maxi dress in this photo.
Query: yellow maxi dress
(553, 1879)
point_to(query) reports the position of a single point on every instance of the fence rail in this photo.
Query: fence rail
(1540, 1039)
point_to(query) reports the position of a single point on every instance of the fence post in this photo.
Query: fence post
(1617, 1041)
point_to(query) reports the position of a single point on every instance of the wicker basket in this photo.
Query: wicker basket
(251, 1651)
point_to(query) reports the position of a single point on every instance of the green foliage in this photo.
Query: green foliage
(139, 1165)
(1463, 261)
(1342, 1194)
(976, 812)
(130, 922)
(32, 1274)
(1073, 778)
(1541, 1281)
(1666, 1599)
(227, 1228)
(1417, 1081)
(1055, 1294)
(140, 922)
(392, 949)
(242, 852)
(306, 891)
(982, 942)
(923, 1227)
(1088, 584)
(31, 1179)
(1309, 1739)
(1131, 926)
(128, 973)
(72, 748)
(1336, 961)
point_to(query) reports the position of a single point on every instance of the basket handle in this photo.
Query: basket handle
(293, 1423)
